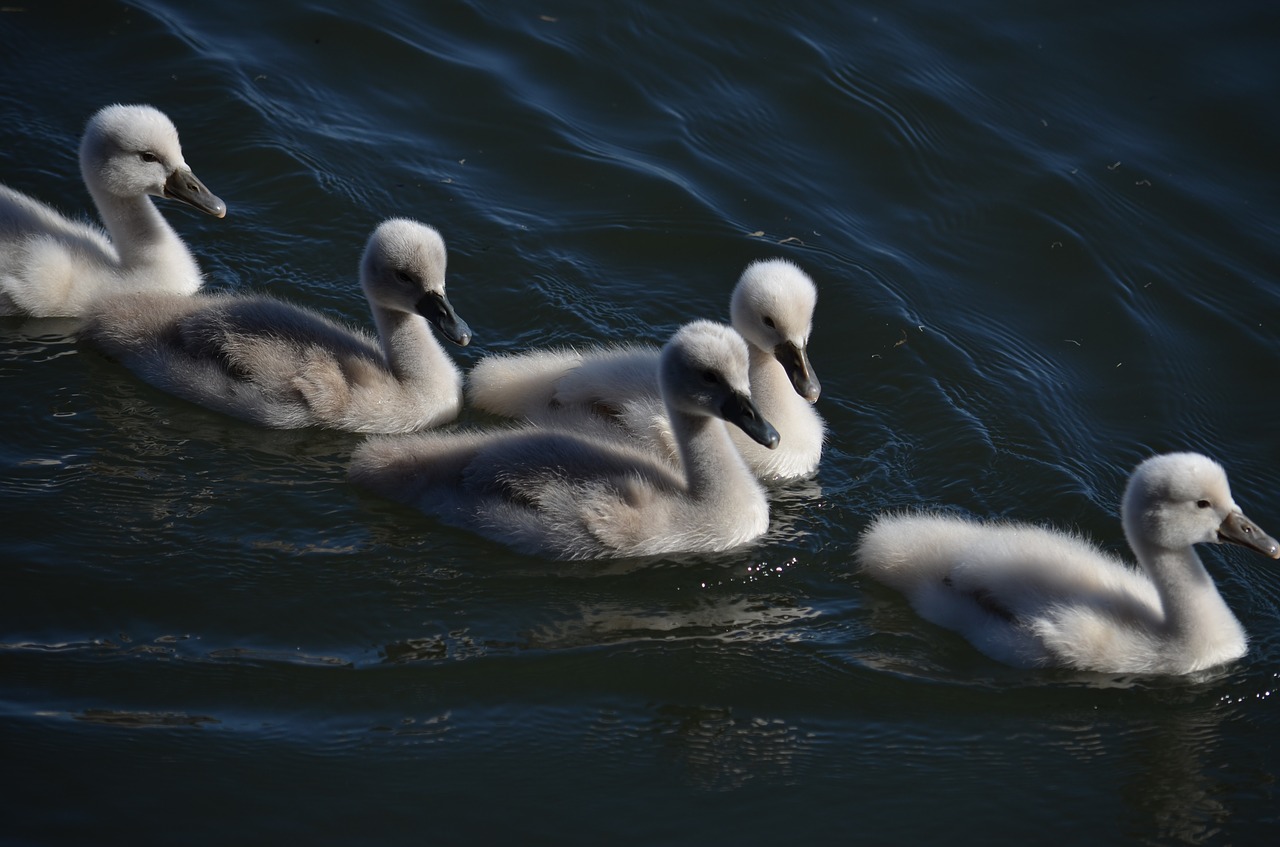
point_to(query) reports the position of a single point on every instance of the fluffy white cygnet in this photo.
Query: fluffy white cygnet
(1030, 596)
(771, 307)
(53, 266)
(280, 365)
(573, 496)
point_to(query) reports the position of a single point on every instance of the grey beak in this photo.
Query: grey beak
(741, 412)
(795, 361)
(435, 307)
(1237, 529)
(183, 186)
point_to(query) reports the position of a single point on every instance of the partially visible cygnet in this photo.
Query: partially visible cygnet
(51, 265)
(771, 307)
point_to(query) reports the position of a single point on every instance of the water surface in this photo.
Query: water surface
(1045, 243)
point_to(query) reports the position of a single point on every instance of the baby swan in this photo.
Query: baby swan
(771, 307)
(280, 365)
(1029, 596)
(53, 266)
(573, 496)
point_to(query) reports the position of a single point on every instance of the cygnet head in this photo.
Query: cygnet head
(403, 270)
(703, 371)
(772, 308)
(133, 151)
(1176, 500)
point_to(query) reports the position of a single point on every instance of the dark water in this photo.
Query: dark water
(1045, 239)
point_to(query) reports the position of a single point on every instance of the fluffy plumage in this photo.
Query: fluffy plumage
(50, 265)
(771, 307)
(1030, 596)
(574, 496)
(280, 365)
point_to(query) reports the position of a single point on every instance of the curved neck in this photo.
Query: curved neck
(713, 467)
(1188, 597)
(770, 384)
(139, 233)
(412, 353)
(776, 397)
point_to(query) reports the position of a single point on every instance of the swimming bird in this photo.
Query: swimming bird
(1030, 596)
(771, 307)
(571, 495)
(280, 365)
(53, 266)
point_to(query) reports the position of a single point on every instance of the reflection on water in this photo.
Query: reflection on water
(722, 749)
(720, 618)
(1171, 761)
(1175, 789)
(30, 342)
(458, 645)
(166, 720)
(420, 730)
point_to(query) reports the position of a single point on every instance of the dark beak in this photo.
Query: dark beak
(183, 186)
(795, 361)
(435, 307)
(1237, 529)
(741, 412)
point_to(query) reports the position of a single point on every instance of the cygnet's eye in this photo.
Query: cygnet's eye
(711, 377)
(768, 321)
(1203, 504)
(148, 156)
(404, 277)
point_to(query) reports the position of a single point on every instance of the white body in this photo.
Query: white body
(574, 496)
(280, 365)
(1030, 596)
(53, 266)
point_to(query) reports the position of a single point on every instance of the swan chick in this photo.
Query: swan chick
(280, 365)
(771, 306)
(572, 495)
(1030, 596)
(53, 266)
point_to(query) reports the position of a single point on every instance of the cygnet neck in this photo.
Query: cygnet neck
(713, 467)
(412, 353)
(770, 385)
(140, 234)
(1189, 598)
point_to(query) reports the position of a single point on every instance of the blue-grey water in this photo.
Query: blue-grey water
(1045, 237)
